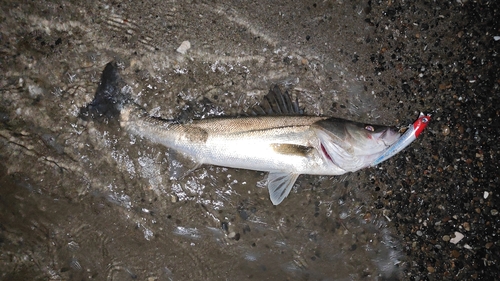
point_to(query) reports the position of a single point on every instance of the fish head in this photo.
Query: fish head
(352, 145)
(363, 139)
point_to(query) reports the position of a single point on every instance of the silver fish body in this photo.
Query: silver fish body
(285, 146)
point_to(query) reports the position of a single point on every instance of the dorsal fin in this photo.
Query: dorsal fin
(276, 103)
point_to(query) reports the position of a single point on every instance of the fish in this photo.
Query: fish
(275, 137)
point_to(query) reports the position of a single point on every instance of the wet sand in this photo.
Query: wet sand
(83, 199)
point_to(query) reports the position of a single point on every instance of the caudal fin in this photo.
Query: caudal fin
(110, 97)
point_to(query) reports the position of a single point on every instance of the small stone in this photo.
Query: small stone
(446, 238)
(231, 235)
(445, 86)
(174, 198)
(488, 245)
(343, 215)
(225, 226)
(185, 45)
(486, 194)
(445, 130)
(466, 226)
(494, 212)
(455, 253)
(367, 217)
(458, 236)
(419, 233)
(237, 237)
(431, 269)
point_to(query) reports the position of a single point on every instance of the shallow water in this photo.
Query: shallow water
(85, 200)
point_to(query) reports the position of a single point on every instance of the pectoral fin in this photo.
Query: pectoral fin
(280, 184)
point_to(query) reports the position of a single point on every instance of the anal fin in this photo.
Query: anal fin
(280, 184)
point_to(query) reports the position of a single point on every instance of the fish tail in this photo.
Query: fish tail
(111, 95)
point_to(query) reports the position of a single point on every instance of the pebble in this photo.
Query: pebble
(444, 86)
(234, 235)
(367, 217)
(458, 236)
(466, 226)
(486, 194)
(445, 130)
(185, 45)
(431, 269)
(494, 212)
(446, 238)
(343, 215)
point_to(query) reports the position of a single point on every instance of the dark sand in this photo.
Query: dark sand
(84, 200)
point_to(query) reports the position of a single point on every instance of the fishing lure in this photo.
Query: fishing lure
(406, 139)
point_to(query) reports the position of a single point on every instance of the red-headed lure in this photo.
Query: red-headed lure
(408, 137)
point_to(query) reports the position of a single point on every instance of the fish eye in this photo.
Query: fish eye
(369, 128)
(425, 120)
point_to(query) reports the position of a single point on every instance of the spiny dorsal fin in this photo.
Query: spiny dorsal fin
(276, 103)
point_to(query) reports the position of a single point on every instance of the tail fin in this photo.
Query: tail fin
(110, 96)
